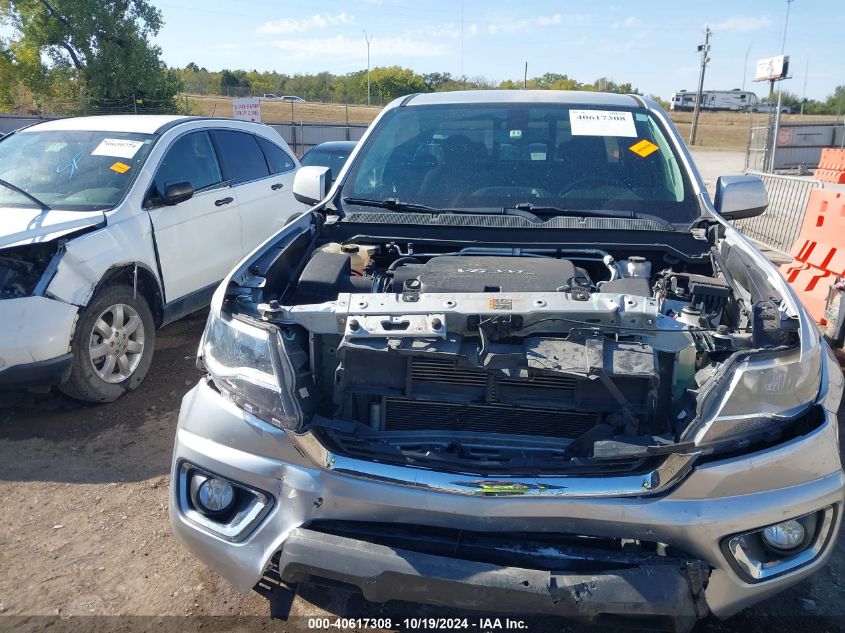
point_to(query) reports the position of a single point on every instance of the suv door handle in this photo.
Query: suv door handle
(277, 185)
(222, 201)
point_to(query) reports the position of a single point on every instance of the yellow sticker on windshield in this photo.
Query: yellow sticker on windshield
(120, 168)
(644, 148)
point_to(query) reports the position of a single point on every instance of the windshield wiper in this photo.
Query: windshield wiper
(17, 189)
(603, 213)
(394, 204)
(592, 213)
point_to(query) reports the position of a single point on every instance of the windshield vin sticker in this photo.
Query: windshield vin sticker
(602, 123)
(644, 148)
(117, 147)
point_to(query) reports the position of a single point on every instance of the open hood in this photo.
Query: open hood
(20, 226)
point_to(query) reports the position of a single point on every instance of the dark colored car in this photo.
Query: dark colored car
(332, 155)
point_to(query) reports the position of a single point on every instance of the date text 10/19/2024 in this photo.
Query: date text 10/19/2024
(410, 624)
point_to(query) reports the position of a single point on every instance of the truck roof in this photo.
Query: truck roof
(572, 97)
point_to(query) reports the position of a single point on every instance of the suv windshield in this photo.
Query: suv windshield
(70, 169)
(497, 156)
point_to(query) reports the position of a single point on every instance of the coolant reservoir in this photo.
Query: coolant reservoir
(684, 377)
(636, 266)
(359, 254)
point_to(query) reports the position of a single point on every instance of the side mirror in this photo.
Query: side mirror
(740, 197)
(176, 192)
(312, 184)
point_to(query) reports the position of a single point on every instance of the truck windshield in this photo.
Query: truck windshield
(72, 170)
(498, 156)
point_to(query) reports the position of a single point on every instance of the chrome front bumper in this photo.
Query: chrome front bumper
(714, 501)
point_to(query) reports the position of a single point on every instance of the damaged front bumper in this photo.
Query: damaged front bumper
(35, 341)
(672, 591)
(714, 501)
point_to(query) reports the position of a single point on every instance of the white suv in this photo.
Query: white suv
(113, 226)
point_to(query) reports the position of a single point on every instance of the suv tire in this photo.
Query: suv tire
(112, 345)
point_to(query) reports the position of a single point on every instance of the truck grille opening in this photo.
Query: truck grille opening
(405, 414)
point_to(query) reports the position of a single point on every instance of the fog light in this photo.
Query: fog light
(784, 537)
(212, 495)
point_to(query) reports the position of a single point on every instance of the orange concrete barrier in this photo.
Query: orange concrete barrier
(819, 251)
(821, 242)
(831, 166)
(832, 176)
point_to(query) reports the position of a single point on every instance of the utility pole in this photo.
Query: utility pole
(525, 78)
(782, 47)
(368, 40)
(704, 49)
(745, 66)
(780, 92)
(804, 96)
(134, 103)
(785, 26)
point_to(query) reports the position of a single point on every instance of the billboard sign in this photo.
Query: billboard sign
(247, 109)
(772, 68)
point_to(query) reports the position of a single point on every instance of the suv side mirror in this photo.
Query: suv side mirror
(176, 192)
(740, 197)
(311, 184)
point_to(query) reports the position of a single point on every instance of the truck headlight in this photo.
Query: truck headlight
(760, 394)
(244, 361)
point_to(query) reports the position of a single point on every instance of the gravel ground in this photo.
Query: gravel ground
(84, 529)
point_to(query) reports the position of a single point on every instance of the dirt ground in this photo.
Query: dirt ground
(84, 529)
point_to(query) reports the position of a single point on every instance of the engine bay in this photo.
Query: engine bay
(506, 359)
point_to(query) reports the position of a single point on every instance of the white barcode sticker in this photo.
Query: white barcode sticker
(117, 147)
(602, 123)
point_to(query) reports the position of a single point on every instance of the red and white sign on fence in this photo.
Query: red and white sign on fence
(247, 109)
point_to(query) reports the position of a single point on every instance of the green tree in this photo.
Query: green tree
(393, 81)
(8, 78)
(835, 103)
(436, 81)
(104, 43)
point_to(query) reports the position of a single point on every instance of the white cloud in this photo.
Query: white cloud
(448, 29)
(342, 46)
(628, 23)
(294, 25)
(525, 24)
(743, 24)
(472, 31)
(543, 20)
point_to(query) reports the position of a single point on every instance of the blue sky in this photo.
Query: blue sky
(651, 43)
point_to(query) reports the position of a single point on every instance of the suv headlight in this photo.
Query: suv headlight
(760, 394)
(245, 360)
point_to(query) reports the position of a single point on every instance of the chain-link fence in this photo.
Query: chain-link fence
(780, 225)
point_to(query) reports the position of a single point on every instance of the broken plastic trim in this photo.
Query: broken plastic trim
(656, 481)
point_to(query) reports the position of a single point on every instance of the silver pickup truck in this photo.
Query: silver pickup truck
(515, 360)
